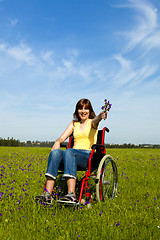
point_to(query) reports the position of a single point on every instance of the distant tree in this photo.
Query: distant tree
(10, 142)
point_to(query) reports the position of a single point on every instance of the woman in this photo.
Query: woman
(84, 128)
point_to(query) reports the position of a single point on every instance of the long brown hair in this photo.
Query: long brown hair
(83, 103)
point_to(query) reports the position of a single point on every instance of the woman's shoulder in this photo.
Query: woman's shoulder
(75, 123)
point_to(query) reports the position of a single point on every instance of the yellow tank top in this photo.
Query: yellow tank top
(86, 138)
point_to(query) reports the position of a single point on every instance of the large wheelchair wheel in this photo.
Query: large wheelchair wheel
(107, 179)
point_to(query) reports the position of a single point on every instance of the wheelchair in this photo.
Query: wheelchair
(100, 179)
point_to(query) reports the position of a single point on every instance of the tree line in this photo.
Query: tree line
(129, 145)
(10, 142)
(16, 143)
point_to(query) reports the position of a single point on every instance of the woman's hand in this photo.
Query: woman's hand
(56, 145)
(103, 115)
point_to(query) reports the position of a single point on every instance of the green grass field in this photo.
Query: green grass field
(134, 214)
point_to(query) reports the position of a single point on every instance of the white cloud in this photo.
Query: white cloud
(47, 67)
(67, 64)
(131, 73)
(13, 22)
(126, 73)
(145, 25)
(73, 52)
(20, 53)
(137, 62)
(152, 41)
(3, 47)
(146, 71)
(47, 56)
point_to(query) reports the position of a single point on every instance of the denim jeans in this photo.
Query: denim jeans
(71, 159)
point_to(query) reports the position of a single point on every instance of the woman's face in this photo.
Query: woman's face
(83, 113)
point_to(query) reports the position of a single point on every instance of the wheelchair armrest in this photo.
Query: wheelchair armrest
(97, 146)
(64, 145)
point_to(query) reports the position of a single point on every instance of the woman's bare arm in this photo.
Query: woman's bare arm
(64, 136)
(98, 118)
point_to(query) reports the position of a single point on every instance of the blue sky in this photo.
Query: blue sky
(54, 52)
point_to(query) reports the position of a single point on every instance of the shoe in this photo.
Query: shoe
(68, 198)
(44, 198)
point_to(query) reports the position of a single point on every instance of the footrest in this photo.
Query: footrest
(76, 203)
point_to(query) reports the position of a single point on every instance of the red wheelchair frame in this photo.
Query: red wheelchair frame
(98, 162)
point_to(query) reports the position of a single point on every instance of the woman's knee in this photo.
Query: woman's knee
(56, 153)
(68, 153)
(54, 160)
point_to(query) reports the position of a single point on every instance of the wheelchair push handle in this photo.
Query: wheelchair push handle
(106, 129)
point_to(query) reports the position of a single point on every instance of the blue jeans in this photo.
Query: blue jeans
(71, 159)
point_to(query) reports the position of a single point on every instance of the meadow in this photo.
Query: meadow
(133, 214)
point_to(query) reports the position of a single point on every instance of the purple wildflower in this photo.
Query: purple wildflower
(107, 106)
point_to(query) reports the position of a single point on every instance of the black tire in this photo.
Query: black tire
(107, 179)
